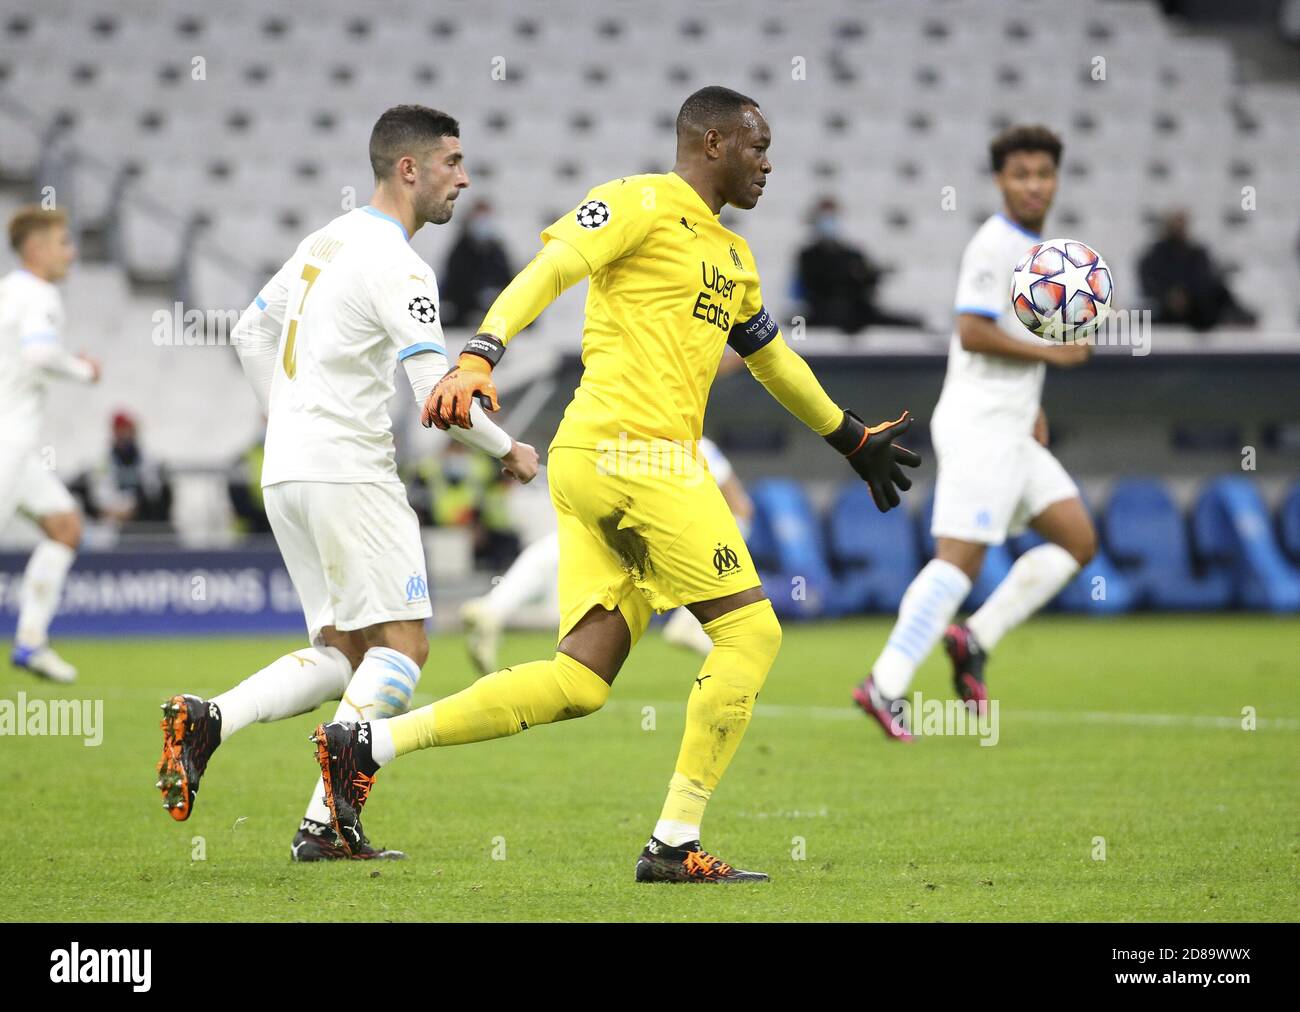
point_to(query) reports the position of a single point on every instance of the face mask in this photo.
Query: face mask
(482, 228)
(827, 226)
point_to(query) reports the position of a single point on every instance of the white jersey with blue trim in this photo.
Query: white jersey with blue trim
(984, 389)
(353, 301)
(31, 313)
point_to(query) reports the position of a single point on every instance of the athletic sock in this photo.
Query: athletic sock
(42, 587)
(295, 683)
(382, 687)
(745, 643)
(497, 705)
(927, 607)
(1035, 579)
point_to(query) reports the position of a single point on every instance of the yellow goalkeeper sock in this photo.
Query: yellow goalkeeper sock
(503, 703)
(745, 643)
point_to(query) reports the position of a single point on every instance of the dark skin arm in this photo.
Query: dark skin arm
(982, 335)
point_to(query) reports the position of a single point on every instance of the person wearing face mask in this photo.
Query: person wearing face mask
(838, 282)
(476, 270)
(129, 487)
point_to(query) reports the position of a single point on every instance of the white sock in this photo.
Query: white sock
(931, 601)
(295, 683)
(41, 590)
(537, 567)
(382, 687)
(675, 833)
(1035, 579)
(382, 749)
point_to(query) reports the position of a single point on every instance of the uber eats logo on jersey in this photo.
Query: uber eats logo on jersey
(421, 308)
(715, 283)
(593, 214)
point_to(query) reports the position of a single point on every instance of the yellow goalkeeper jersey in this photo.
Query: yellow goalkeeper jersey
(670, 286)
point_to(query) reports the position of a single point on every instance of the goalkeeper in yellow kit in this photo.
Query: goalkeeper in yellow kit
(642, 526)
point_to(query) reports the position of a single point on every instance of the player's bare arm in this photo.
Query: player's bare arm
(981, 335)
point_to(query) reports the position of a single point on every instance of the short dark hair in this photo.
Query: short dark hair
(404, 128)
(714, 106)
(1023, 138)
(29, 220)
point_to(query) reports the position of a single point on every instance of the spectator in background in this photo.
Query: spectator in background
(837, 282)
(1183, 284)
(128, 488)
(464, 489)
(476, 270)
(244, 485)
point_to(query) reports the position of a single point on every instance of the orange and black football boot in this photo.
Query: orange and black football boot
(191, 730)
(317, 841)
(348, 771)
(688, 863)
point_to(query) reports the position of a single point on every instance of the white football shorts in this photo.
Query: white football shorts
(990, 486)
(353, 551)
(28, 486)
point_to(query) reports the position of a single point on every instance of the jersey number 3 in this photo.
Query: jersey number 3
(309, 275)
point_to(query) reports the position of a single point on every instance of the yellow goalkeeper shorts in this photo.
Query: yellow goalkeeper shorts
(642, 531)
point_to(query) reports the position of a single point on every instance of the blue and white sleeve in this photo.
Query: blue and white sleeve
(983, 282)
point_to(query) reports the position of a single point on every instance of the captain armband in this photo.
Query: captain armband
(753, 334)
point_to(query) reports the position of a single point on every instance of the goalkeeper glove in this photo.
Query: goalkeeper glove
(874, 455)
(449, 401)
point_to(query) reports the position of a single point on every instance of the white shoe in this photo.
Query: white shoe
(482, 634)
(684, 630)
(45, 662)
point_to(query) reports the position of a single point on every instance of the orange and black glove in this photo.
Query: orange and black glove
(449, 401)
(874, 455)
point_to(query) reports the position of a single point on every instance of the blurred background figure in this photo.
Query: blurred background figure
(838, 282)
(244, 485)
(128, 488)
(476, 271)
(1184, 285)
(457, 488)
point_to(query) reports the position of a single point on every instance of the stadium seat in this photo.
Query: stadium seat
(1146, 535)
(874, 553)
(787, 548)
(1288, 523)
(1230, 527)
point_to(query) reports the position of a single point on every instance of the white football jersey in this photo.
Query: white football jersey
(353, 301)
(983, 390)
(31, 312)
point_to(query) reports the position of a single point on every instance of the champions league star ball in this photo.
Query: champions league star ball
(1061, 290)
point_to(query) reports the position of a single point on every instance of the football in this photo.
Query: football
(1061, 289)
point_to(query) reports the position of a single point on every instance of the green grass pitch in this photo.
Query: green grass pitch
(1126, 730)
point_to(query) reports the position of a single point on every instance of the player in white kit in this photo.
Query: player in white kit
(536, 572)
(31, 318)
(996, 475)
(320, 346)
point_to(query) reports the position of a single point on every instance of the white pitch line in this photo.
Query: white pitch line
(1011, 716)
